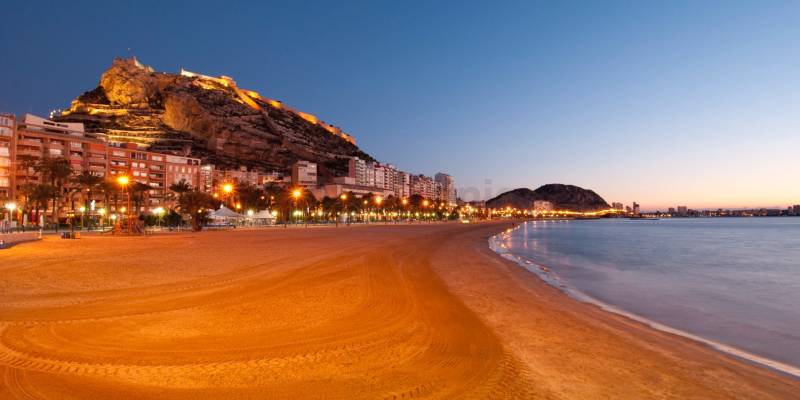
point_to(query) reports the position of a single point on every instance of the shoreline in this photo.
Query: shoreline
(573, 293)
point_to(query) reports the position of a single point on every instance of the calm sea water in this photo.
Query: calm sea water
(732, 281)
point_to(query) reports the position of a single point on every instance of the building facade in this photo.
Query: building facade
(8, 129)
(304, 173)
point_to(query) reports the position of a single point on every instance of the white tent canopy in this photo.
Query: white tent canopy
(263, 214)
(225, 213)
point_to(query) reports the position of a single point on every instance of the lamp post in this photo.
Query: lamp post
(404, 202)
(378, 202)
(82, 209)
(11, 206)
(227, 188)
(296, 194)
(159, 212)
(124, 182)
(344, 207)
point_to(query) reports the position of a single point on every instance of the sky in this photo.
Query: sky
(694, 103)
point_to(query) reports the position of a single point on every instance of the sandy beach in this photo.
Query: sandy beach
(367, 312)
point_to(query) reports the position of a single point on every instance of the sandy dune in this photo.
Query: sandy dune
(379, 312)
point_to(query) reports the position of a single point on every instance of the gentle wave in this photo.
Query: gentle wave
(551, 278)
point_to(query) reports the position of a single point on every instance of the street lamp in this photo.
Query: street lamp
(159, 212)
(11, 206)
(124, 182)
(296, 194)
(227, 188)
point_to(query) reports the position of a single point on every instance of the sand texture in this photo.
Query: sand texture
(378, 312)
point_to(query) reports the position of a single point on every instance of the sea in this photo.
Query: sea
(731, 283)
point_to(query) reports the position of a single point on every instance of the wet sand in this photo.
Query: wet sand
(378, 312)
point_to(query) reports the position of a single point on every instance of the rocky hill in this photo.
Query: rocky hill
(563, 197)
(209, 118)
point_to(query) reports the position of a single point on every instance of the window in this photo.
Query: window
(75, 145)
(5, 131)
(118, 153)
(55, 152)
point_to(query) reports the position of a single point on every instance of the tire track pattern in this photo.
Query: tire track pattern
(365, 318)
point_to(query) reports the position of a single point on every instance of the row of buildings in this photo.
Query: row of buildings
(24, 142)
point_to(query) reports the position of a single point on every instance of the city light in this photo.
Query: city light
(123, 180)
(297, 193)
(404, 201)
(343, 196)
(250, 213)
(82, 209)
(101, 211)
(378, 200)
(227, 187)
(11, 206)
(158, 211)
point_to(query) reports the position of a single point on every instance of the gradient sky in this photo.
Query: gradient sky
(666, 103)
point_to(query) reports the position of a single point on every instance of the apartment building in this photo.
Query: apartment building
(38, 138)
(447, 188)
(304, 173)
(8, 128)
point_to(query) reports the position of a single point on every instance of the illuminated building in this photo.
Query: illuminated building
(8, 128)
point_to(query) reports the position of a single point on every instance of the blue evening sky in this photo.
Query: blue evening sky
(665, 103)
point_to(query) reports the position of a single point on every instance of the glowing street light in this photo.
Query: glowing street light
(296, 193)
(123, 181)
(378, 200)
(227, 188)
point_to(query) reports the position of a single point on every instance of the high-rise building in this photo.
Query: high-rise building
(448, 188)
(424, 186)
(8, 128)
(636, 208)
(38, 138)
(683, 211)
(617, 206)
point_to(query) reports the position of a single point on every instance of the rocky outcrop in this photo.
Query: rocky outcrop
(563, 197)
(209, 118)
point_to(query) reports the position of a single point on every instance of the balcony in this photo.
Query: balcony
(30, 142)
(31, 153)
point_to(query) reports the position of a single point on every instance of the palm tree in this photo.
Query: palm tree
(196, 204)
(109, 187)
(37, 196)
(180, 187)
(56, 171)
(87, 182)
(138, 192)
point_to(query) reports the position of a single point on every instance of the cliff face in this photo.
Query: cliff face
(563, 197)
(209, 118)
